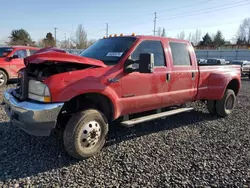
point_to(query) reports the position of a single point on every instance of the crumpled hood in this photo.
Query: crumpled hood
(60, 57)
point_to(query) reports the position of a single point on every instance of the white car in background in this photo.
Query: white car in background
(245, 66)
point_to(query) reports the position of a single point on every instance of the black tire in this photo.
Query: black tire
(211, 107)
(3, 78)
(77, 127)
(222, 108)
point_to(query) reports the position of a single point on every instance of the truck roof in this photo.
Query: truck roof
(150, 37)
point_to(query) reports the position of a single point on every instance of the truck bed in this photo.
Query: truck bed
(212, 79)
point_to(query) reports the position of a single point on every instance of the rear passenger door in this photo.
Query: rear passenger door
(184, 73)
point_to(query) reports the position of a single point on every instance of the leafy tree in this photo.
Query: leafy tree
(49, 40)
(20, 37)
(206, 40)
(218, 38)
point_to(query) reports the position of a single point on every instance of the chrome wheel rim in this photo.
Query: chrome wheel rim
(91, 134)
(1, 79)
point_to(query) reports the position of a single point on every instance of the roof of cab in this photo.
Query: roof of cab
(150, 37)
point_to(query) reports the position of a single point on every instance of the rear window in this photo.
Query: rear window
(5, 51)
(180, 54)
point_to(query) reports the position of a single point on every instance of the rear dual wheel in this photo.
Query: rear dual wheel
(224, 106)
(85, 133)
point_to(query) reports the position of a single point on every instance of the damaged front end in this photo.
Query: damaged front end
(29, 105)
(43, 65)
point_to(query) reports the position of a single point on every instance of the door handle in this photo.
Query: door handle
(168, 77)
(193, 75)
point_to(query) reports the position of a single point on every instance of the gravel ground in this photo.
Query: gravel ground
(186, 150)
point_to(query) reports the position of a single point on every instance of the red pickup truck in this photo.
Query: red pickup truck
(11, 61)
(131, 79)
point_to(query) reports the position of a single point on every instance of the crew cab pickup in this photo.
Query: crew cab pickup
(11, 61)
(129, 79)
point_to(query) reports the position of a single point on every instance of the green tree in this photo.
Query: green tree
(20, 37)
(49, 40)
(218, 38)
(206, 40)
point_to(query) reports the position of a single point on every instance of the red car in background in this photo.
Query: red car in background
(11, 61)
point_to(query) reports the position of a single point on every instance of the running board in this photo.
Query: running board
(131, 122)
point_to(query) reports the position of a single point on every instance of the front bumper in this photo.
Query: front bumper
(34, 118)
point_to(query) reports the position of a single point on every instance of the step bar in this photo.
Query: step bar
(131, 122)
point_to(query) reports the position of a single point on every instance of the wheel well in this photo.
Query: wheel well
(84, 101)
(234, 85)
(5, 73)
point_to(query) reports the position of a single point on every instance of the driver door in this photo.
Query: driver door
(138, 89)
(16, 64)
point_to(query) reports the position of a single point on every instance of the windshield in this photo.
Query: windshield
(4, 51)
(109, 50)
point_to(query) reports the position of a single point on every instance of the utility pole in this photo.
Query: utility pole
(107, 29)
(154, 24)
(55, 35)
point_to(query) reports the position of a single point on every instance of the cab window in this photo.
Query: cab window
(150, 46)
(21, 53)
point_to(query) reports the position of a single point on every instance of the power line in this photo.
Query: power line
(195, 13)
(212, 9)
(169, 10)
(190, 5)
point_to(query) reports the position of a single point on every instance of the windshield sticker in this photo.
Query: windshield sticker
(115, 54)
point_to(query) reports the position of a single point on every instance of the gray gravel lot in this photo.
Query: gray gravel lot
(186, 150)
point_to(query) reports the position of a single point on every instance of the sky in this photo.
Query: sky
(41, 17)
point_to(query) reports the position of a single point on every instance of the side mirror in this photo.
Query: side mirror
(12, 57)
(15, 57)
(145, 64)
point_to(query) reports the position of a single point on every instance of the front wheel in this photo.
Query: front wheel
(85, 133)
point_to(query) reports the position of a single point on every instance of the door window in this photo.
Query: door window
(21, 53)
(153, 47)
